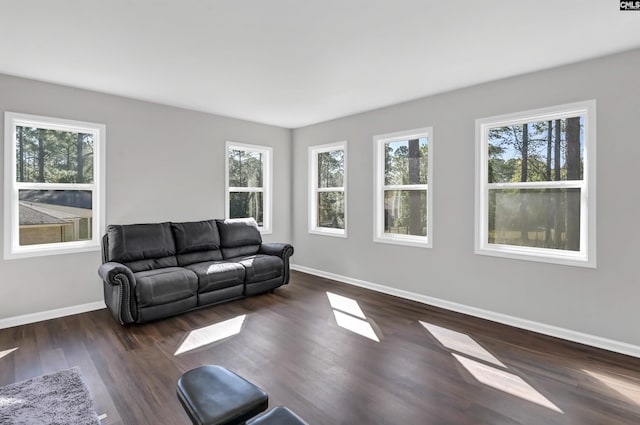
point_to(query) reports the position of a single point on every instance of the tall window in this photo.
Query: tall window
(327, 196)
(249, 183)
(54, 174)
(536, 185)
(403, 182)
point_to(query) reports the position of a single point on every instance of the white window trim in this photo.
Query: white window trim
(586, 257)
(379, 187)
(267, 179)
(314, 189)
(12, 248)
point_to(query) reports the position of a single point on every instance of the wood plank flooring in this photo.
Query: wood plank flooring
(367, 359)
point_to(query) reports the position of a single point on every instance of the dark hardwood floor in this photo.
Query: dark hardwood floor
(409, 363)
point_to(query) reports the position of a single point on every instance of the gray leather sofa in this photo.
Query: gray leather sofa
(151, 271)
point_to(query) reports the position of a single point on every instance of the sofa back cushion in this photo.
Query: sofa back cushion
(196, 241)
(239, 237)
(141, 246)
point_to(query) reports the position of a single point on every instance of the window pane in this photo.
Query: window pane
(246, 204)
(331, 169)
(405, 162)
(331, 210)
(543, 218)
(537, 151)
(53, 216)
(53, 156)
(245, 168)
(405, 212)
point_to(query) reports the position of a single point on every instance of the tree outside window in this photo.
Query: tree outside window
(53, 195)
(535, 188)
(403, 177)
(327, 196)
(248, 183)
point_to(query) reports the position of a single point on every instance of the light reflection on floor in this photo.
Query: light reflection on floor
(7, 352)
(210, 334)
(355, 325)
(505, 381)
(350, 316)
(623, 387)
(485, 367)
(462, 343)
(346, 305)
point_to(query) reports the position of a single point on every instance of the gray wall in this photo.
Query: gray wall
(163, 164)
(601, 302)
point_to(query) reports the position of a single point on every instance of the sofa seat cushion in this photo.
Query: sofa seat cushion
(214, 275)
(162, 286)
(260, 267)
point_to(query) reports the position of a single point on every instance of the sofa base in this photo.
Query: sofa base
(165, 310)
(220, 295)
(260, 287)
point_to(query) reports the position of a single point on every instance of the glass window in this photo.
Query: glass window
(54, 201)
(536, 200)
(403, 196)
(327, 195)
(249, 183)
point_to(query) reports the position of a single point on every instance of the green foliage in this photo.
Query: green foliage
(399, 167)
(543, 151)
(331, 175)
(405, 212)
(53, 156)
(331, 210)
(246, 204)
(406, 163)
(331, 168)
(544, 148)
(245, 168)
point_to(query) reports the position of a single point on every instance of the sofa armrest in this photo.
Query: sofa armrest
(282, 250)
(119, 291)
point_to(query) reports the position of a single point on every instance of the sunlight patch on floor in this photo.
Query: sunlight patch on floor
(356, 325)
(350, 316)
(505, 381)
(462, 343)
(625, 388)
(346, 305)
(210, 334)
(7, 352)
(485, 367)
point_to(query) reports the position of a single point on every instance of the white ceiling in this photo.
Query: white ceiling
(296, 62)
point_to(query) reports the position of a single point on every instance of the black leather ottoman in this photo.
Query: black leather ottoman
(213, 395)
(278, 416)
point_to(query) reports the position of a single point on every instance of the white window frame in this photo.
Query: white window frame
(267, 181)
(314, 151)
(379, 188)
(586, 256)
(12, 248)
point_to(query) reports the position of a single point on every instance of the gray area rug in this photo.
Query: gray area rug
(60, 398)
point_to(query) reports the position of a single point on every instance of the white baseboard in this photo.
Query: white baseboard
(567, 334)
(10, 322)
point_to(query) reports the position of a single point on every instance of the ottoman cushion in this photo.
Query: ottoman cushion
(215, 395)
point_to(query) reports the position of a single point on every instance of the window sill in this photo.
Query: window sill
(336, 233)
(42, 251)
(414, 241)
(540, 255)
